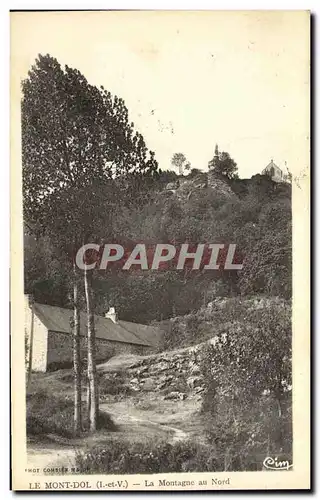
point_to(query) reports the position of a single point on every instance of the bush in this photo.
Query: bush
(247, 398)
(106, 422)
(65, 376)
(217, 317)
(113, 386)
(48, 414)
(141, 458)
(245, 431)
(184, 456)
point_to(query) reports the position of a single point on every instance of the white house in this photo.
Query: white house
(274, 172)
(49, 336)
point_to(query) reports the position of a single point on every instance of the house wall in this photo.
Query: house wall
(277, 175)
(60, 349)
(40, 339)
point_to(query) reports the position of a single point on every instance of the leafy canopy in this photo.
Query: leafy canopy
(75, 138)
(223, 164)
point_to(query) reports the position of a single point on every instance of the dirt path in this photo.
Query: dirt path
(174, 433)
(144, 416)
(59, 455)
(41, 456)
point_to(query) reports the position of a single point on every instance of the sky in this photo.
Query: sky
(190, 80)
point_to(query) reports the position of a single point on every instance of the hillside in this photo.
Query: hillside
(217, 318)
(254, 214)
(232, 355)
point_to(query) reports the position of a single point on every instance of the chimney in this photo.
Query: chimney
(111, 314)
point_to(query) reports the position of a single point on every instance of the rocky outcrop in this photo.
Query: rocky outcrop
(175, 375)
(185, 189)
(220, 186)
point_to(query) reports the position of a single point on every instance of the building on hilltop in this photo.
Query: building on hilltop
(50, 341)
(274, 172)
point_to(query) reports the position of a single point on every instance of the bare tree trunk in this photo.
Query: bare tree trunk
(93, 397)
(31, 342)
(76, 356)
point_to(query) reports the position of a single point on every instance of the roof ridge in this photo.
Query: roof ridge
(58, 319)
(133, 333)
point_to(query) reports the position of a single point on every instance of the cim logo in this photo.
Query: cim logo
(275, 464)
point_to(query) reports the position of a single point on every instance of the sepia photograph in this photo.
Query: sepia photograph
(160, 216)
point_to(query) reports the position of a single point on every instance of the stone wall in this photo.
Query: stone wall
(170, 374)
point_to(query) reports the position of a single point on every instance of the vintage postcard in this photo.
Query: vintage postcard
(160, 172)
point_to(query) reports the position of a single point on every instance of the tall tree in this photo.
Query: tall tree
(76, 140)
(178, 160)
(76, 356)
(223, 164)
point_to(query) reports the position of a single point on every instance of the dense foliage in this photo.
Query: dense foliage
(48, 413)
(121, 457)
(247, 374)
(223, 164)
(87, 172)
(246, 403)
(257, 219)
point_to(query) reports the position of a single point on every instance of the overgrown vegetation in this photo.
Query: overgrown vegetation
(113, 385)
(246, 403)
(247, 376)
(257, 219)
(142, 458)
(124, 457)
(48, 413)
(218, 317)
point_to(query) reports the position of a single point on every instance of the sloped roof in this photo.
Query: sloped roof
(271, 164)
(58, 319)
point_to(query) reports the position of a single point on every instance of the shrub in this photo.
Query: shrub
(247, 398)
(121, 457)
(105, 422)
(113, 386)
(134, 458)
(65, 376)
(48, 414)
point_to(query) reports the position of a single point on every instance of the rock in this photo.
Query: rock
(199, 389)
(134, 388)
(213, 341)
(220, 186)
(172, 186)
(195, 369)
(193, 382)
(172, 395)
(142, 370)
(162, 386)
(159, 367)
(197, 397)
(164, 381)
(150, 384)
